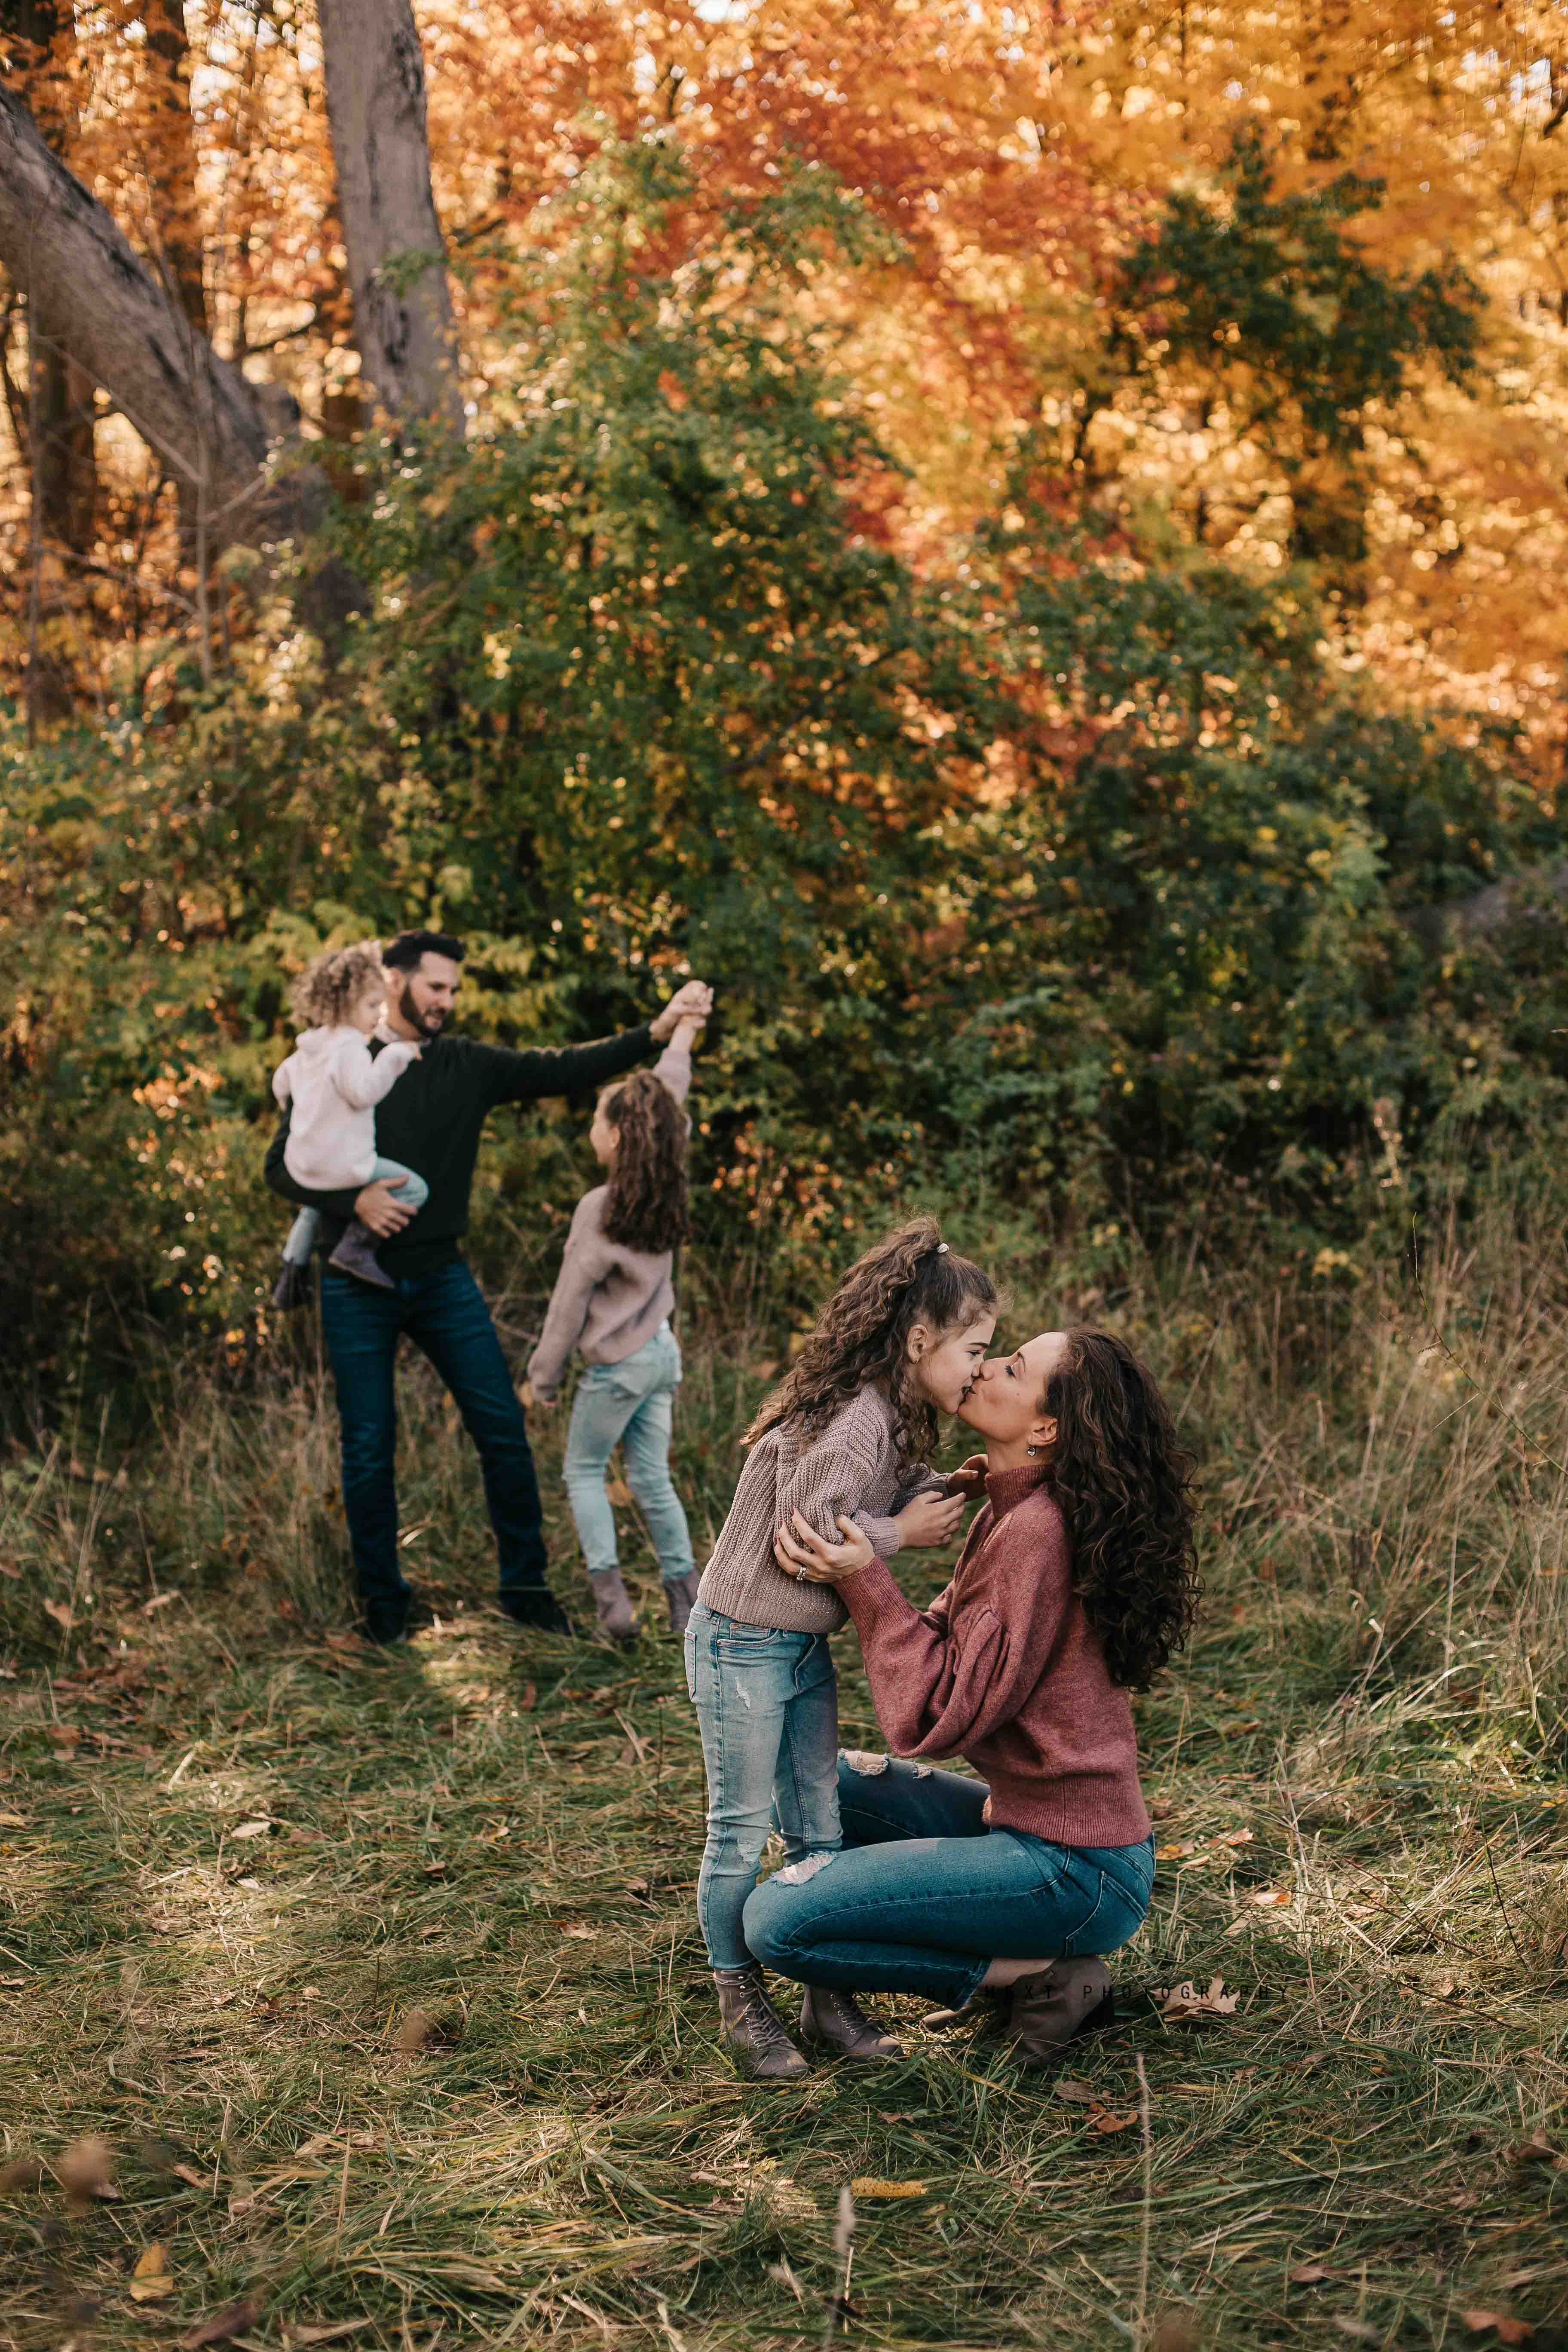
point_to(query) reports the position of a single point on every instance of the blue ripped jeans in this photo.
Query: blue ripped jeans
(925, 1897)
(768, 1707)
(630, 1404)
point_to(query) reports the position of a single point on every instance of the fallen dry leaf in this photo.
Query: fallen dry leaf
(1078, 2092)
(189, 2173)
(1308, 2275)
(310, 2331)
(527, 1698)
(1104, 2119)
(59, 1610)
(1361, 2329)
(1184, 2003)
(1177, 2331)
(1536, 2149)
(1235, 1837)
(1270, 1898)
(258, 1828)
(415, 2031)
(9, 1820)
(1510, 2331)
(152, 2276)
(222, 2327)
(87, 2169)
(1175, 1851)
(868, 2186)
(618, 1492)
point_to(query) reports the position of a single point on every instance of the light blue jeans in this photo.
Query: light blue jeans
(412, 1190)
(768, 1707)
(630, 1404)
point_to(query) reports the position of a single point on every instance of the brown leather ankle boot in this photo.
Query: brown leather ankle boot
(753, 2036)
(836, 2022)
(680, 1591)
(614, 1603)
(1069, 1997)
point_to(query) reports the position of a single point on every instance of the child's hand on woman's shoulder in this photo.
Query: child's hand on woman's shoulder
(969, 1479)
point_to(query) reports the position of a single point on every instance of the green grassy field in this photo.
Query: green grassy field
(377, 1975)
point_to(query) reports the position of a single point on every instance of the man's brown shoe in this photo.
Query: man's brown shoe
(754, 2034)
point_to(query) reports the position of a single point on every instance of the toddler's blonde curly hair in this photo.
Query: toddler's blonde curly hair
(331, 986)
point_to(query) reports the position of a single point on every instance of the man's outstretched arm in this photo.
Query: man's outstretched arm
(572, 1069)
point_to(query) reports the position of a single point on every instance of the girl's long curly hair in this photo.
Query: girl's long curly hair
(862, 1336)
(331, 984)
(646, 1205)
(1124, 1483)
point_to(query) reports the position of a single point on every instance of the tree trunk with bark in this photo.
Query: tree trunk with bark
(397, 261)
(108, 314)
(58, 405)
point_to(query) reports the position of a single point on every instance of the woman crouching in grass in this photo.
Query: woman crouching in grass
(1076, 1584)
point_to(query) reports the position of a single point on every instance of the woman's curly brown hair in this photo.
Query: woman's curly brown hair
(329, 988)
(645, 1207)
(862, 1336)
(1124, 1483)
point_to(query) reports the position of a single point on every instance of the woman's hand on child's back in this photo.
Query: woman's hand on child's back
(929, 1521)
(806, 1556)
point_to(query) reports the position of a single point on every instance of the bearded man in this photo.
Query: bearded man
(432, 1121)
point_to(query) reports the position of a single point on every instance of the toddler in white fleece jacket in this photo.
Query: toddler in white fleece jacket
(331, 1084)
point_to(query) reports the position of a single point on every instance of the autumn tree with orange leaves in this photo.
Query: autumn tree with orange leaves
(1016, 533)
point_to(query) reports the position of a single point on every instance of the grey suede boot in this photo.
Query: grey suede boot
(753, 2036)
(1069, 1997)
(614, 1604)
(680, 1591)
(835, 2021)
(355, 1254)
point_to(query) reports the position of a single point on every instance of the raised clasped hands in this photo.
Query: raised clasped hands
(693, 1003)
(804, 1554)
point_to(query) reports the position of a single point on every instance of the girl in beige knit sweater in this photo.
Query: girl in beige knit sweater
(898, 1342)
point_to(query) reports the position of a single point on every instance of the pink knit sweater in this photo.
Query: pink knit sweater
(1005, 1670)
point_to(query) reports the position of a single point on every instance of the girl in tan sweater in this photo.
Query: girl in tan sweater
(898, 1342)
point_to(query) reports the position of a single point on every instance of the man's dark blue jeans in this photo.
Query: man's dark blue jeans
(445, 1314)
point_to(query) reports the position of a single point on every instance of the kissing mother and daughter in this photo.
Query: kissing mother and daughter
(1076, 1583)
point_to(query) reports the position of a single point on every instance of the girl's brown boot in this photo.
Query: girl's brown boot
(754, 2034)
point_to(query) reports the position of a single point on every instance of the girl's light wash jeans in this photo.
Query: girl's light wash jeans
(925, 1894)
(768, 1707)
(630, 1404)
(412, 1190)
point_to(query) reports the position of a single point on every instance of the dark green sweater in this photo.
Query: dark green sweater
(432, 1121)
